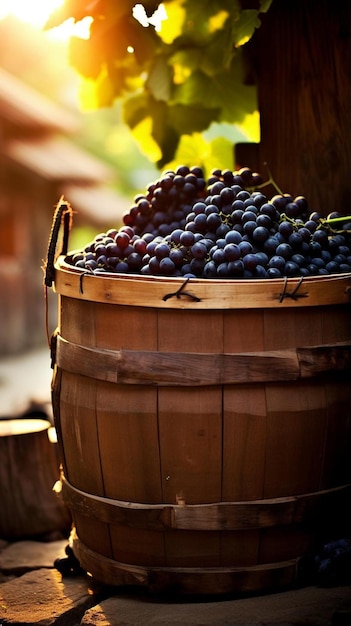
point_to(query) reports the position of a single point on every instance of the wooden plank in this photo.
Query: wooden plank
(78, 425)
(243, 331)
(138, 546)
(293, 328)
(187, 580)
(240, 548)
(244, 440)
(138, 290)
(124, 328)
(190, 432)
(77, 321)
(128, 442)
(286, 542)
(190, 331)
(337, 466)
(335, 324)
(296, 423)
(192, 548)
(78, 428)
(94, 533)
(192, 369)
(226, 516)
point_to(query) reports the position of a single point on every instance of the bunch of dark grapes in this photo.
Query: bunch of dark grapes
(225, 227)
(167, 202)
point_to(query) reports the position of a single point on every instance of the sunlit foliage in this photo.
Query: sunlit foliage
(176, 66)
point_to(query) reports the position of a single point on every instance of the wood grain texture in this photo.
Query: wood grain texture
(301, 58)
(197, 438)
(188, 580)
(226, 516)
(137, 290)
(28, 471)
(201, 370)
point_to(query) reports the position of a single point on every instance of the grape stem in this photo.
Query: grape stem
(327, 223)
(336, 219)
(270, 181)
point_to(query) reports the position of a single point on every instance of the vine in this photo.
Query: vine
(176, 66)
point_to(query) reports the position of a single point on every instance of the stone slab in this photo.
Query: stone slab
(44, 598)
(311, 606)
(23, 556)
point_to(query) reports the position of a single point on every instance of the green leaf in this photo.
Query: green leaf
(188, 119)
(200, 12)
(183, 77)
(194, 149)
(145, 42)
(224, 92)
(83, 58)
(135, 109)
(245, 26)
(159, 80)
(163, 132)
(172, 27)
(222, 153)
(105, 93)
(265, 5)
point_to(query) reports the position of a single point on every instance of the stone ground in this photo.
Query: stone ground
(34, 593)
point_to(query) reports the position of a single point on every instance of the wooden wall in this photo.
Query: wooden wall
(300, 57)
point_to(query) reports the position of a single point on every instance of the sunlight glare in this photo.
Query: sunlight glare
(37, 12)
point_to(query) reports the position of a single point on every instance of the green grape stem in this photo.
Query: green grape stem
(269, 181)
(327, 224)
(336, 219)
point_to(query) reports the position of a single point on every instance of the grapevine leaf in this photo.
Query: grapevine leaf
(222, 152)
(218, 53)
(172, 27)
(185, 73)
(200, 15)
(188, 119)
(104, 91)
(244, 28)
(225, 92)
(109, 86)
(144, 42)
(265, 5)
(191, 149)
(148, 146)
(83, 57)
(135, 109)
(165, 135)
(195, 148)
(159, 79)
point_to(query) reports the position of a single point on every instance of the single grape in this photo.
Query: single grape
(260, 234)
(285, 250)
(231, 252)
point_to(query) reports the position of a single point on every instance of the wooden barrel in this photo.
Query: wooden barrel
(205, 426)
(28, 471)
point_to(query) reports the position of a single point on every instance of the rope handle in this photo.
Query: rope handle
(62, 217)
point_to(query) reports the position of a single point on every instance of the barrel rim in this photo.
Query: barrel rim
(200, 293)
(62, 263)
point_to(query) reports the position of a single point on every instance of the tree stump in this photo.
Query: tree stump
(28, 471)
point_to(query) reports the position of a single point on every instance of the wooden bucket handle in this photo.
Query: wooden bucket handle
(62, 216)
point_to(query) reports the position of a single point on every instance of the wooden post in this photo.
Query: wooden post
(301, 55)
